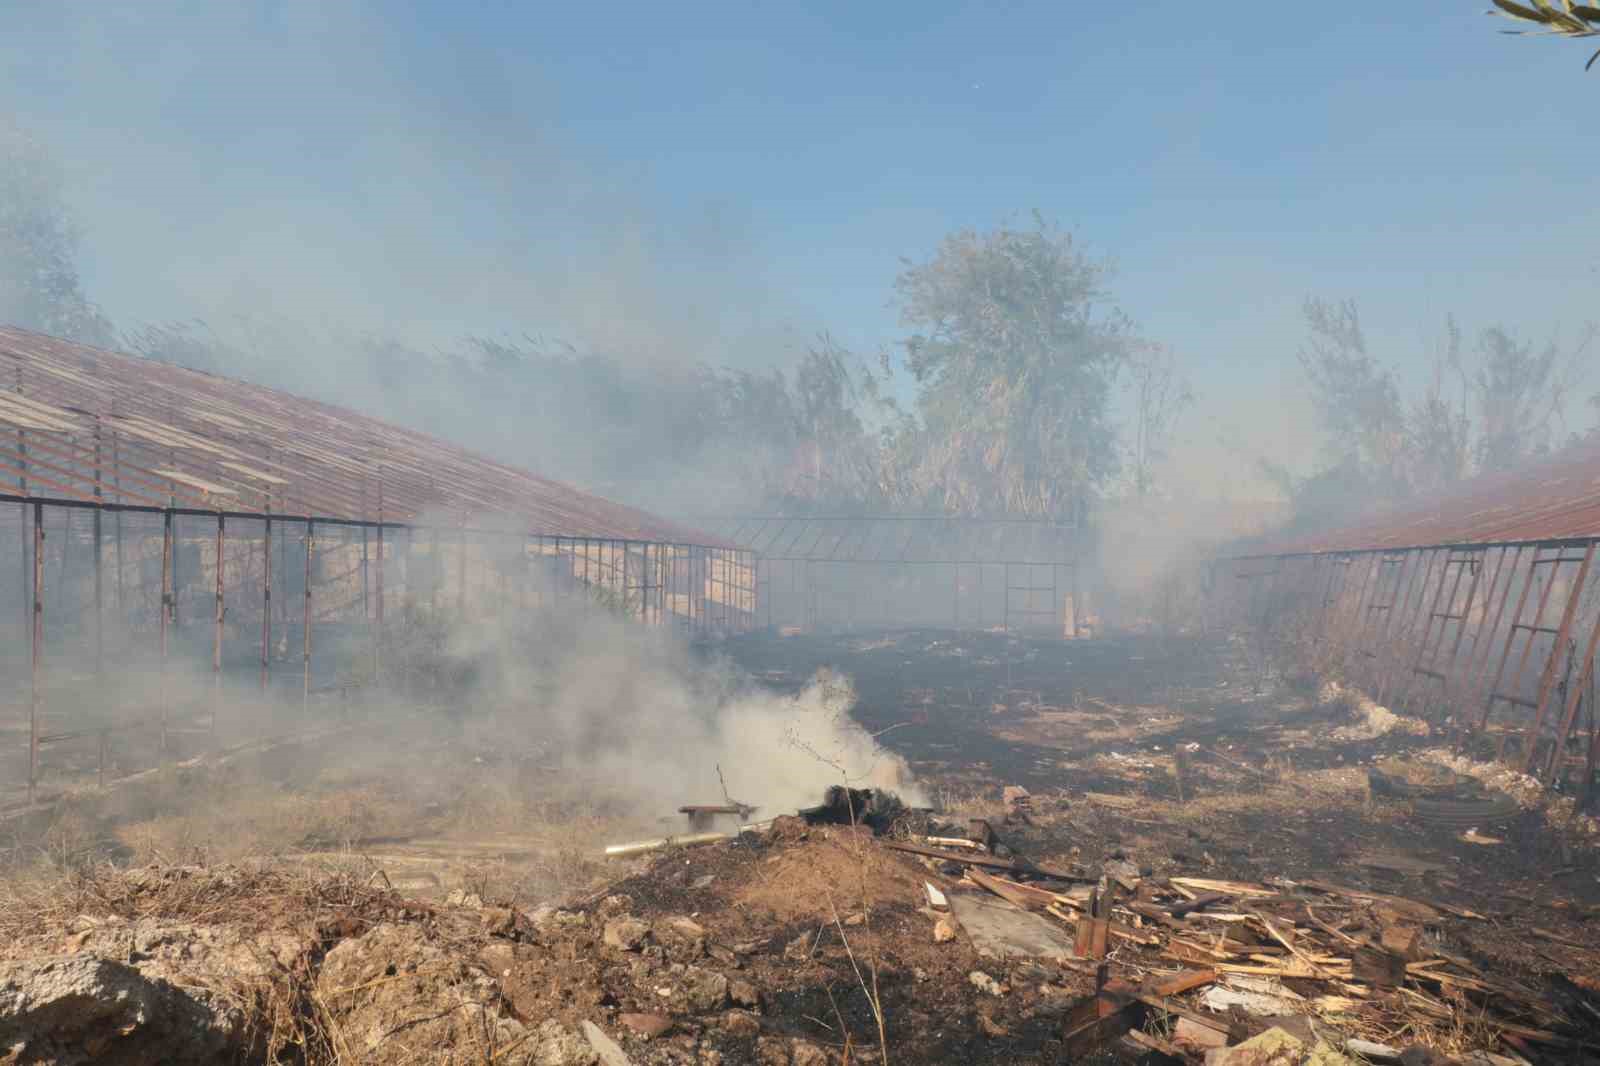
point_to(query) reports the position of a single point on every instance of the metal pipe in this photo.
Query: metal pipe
(377, 637)
(216, 640)
(266, 601)
(305, 692)
(99, 568)
(688, 840)
(166, 606)
(36, 650)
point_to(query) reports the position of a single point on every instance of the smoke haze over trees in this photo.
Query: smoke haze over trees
(1017, 387)
(1485, 406)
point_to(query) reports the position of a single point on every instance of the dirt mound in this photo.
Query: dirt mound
(83, 1008)
(742, 953)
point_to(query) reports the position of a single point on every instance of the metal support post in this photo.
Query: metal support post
(305, 691)
(216, 641)
(36, 650)
(165, 610)
(266, 601)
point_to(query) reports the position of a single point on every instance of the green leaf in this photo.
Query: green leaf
(1517, 11)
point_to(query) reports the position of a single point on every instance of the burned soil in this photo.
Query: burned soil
(1157, 772)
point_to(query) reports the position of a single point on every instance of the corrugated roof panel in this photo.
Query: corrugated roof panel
(140, 417)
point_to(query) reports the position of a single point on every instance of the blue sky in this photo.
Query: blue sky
(720, 181)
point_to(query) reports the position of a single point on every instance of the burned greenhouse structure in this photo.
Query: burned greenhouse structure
(1480, 607)
(273, 546)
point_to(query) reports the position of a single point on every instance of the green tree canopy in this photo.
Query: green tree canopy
(1015, 358)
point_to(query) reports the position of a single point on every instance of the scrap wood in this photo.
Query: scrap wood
(1123, 932)
(1183, 982)
(1178, 1010)
(1029, 899)
(1410, 908)
(1276, 934)
(1197, 903)
(1294, 968)
(1013, 865)
(1151, 1043)
(1215, 953)
(1232, 888)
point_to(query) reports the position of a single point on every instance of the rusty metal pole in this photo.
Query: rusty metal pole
(1574, 696)
(305, 691)
(99, 567)
(165, 610)
(461, 573)
(36, 649)
(216, 639)
(377, 635)
(1548, 677)
(266, 601)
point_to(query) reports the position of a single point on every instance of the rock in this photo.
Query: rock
(856, 919)
(944, 931)
(81, 1008)
(1372, 1052)
(626, 934)
(701, 991)
(556, 1045)
(648, 1026)
(984, 983)
(805, 1053)
(616, 903)
(684, 938)
(605, 1048)
(460, 897)
(710, 1056)
(744, 994)
(739, 1023)
(772, 1051)
(369, 981)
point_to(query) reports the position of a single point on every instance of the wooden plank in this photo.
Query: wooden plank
(1012, 865)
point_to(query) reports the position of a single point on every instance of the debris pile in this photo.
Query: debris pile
(1351, 966)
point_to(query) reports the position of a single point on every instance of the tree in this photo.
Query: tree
(1015, 362)
(1357, 399)
(1568, 20)
(39, 287)
(1520, 394)
(1507, 407)
(1160, 394)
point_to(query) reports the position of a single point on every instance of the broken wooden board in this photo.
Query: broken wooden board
(1000, 930)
